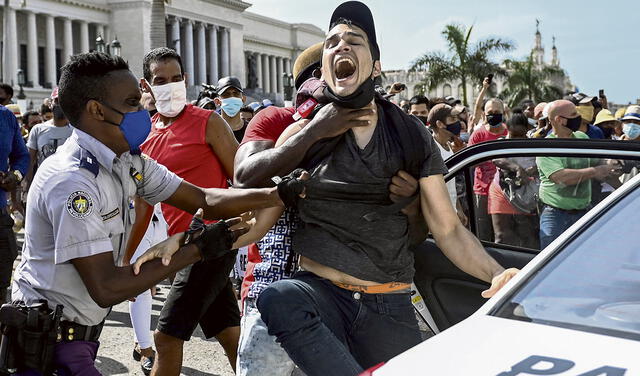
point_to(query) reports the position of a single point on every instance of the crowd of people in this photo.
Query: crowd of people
(528, 201)
(121, 182)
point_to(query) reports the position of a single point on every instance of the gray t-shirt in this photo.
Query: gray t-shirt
(45, 138)
(333, 231)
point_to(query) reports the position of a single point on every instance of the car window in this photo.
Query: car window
(528, 201)
(594, 283)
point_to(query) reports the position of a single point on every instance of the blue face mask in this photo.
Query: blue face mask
(231, 106)
(632, 130)
(135, 126)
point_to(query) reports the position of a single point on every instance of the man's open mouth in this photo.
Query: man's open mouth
(344, 68)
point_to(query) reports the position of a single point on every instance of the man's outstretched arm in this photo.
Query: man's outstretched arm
(219, 203)
(455, 241)
(257, 161)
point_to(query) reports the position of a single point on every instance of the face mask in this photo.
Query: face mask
(170, 98)
(423, 119)
(586, 112)
(135, 126)
(574, 123)
(153, 112)
(532, 122)
(231, 106)
(455, 128)
(494, 120)
(632, 130)
(58, 114)
(360, 98)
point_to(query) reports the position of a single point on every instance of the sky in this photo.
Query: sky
(598, 45)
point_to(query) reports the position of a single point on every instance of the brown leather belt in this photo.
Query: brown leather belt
(384, 288)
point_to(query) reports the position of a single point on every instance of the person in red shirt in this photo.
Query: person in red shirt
(492, 128)
(197, 145)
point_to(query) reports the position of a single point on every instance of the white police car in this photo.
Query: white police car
(573, 310)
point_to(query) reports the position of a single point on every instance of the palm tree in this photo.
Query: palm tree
(527, 81)
(157, 28)
(464, 61)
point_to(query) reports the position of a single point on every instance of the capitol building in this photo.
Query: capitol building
(453, 88)
(215, 38)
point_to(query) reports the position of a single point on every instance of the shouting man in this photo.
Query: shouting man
(351, 307)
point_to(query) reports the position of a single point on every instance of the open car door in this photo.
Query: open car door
(450, 294)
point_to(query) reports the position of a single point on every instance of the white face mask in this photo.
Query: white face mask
(170, 98)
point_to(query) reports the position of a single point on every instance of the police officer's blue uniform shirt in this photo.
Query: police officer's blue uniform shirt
(78, 206)
(13, 153)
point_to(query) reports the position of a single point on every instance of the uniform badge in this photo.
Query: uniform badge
(79, 204)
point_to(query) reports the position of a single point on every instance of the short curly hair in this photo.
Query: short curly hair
(83, 78)
(159, 54)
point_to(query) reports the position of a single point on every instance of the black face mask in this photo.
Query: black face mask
(494, 120)
(608, 132)
(574, 123)
(360, 98)
(153, 112)
(58, 114)
(455, 128)
(423, 119)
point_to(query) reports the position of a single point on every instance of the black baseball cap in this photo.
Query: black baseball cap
(360, 15)
(226, 82)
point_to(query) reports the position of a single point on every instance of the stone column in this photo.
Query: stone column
(84, 36)
(213, 54)
(274, 74)
(10, 39)
(67, 49)
(201, 54)
(266, 75)
(188, 56)
(279, 72)
(32, 50)
(225, 52)
(100, 31)
(50, 75)
(259, 70)
(175, 34)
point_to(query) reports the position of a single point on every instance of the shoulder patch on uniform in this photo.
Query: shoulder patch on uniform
(89, 162)
(79, 204)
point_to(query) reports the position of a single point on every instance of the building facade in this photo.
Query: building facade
(413, 80)
(215, 38)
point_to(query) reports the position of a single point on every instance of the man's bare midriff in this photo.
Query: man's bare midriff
(332, 274)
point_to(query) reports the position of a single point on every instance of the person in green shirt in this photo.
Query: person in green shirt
(565, 182)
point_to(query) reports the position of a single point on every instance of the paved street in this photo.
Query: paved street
(201, 357)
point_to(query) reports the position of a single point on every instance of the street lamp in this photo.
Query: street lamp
(116, 47)
(100, 45)
(21, 84)
(287, 80)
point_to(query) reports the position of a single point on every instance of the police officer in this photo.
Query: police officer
(80, 214)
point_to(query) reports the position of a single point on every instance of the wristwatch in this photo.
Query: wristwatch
(18, 175)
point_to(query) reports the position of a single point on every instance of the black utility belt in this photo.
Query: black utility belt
(70, 331)
(30, 332)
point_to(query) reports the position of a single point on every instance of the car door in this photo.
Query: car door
(452, 295)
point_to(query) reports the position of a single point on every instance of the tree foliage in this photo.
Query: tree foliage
(464, 61)
(527, 81)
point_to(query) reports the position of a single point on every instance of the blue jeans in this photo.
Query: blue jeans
(327, 330)
(553, 222)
